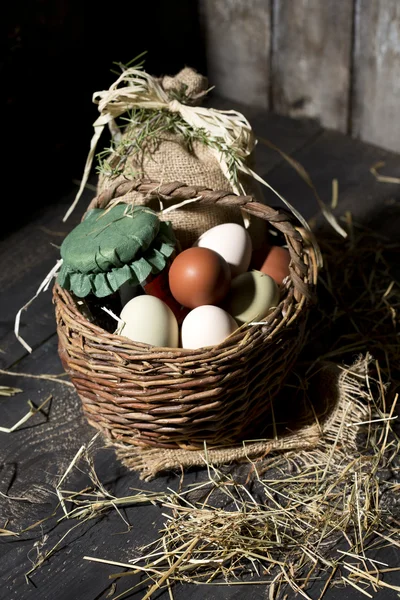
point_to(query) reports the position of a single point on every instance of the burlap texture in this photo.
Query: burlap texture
(169, 158)
(338, 403)
(188, 82)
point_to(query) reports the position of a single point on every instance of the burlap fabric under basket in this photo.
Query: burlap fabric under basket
(168, 157)
(177, 398)
(338, 402)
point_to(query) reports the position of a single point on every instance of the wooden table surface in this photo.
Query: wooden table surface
(34, 457)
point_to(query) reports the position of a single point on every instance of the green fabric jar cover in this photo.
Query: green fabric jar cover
(113, 246)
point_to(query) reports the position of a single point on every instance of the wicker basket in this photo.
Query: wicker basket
(170, 398)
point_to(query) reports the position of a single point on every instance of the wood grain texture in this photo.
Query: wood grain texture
(376, 96)
(334, 156)
(311, 59)
(238, 48)
(26, 256)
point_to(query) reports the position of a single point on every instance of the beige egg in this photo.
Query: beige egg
(251, 296)
(150, 321)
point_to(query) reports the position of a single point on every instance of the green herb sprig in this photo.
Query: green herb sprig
(147, 128)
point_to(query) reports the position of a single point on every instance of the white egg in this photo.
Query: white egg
(206, 325)
(232, 242)
(149, 320)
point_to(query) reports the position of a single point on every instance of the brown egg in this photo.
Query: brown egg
(258, 255)
(199, 276)
(276, 264)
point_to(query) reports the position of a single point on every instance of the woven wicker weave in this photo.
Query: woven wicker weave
(173, 398)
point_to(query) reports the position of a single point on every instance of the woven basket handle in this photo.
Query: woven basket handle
(300, 272)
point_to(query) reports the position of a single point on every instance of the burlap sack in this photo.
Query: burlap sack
(169, 158)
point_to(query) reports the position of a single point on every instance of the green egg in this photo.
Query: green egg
(251, 296)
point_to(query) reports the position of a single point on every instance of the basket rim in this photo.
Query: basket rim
(298, 291)
(282, 219)
(236, 338)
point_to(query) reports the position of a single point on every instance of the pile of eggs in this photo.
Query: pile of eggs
(212, 289)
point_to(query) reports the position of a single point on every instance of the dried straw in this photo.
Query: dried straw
(283, 520)
(9, 391)
(383, 178)
(32, 411)
(54, 378)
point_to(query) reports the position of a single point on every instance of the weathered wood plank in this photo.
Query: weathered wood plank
(376, 95)
(311, 58)
(238, 48)
(334, 156)
(26, 256)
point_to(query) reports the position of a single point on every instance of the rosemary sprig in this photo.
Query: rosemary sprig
(134, 63)
(143, 130)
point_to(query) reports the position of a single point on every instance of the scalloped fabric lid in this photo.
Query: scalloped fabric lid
(113, 246)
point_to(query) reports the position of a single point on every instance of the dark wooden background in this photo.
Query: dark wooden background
(334, 60)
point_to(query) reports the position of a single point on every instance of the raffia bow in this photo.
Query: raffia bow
(135, 88)
(141, 90)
